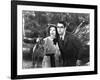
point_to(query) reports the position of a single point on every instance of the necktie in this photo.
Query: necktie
(61, 41)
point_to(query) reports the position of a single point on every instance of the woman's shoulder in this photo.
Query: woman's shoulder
(47, 38)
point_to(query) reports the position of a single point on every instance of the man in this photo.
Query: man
(69, 45)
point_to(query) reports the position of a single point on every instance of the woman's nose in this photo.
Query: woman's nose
(51, 31)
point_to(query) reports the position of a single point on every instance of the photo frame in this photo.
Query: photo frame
(19, 8)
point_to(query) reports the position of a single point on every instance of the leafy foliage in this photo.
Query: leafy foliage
(37, 21)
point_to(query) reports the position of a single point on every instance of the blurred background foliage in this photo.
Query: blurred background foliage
(36, 22)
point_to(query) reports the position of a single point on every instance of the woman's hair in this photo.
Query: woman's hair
(57, 35)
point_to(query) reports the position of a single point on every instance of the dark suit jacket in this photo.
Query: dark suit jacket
(84, 54)
(70, 49)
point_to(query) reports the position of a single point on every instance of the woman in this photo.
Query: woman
(51, 48)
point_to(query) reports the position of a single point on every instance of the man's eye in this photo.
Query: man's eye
(61, 26)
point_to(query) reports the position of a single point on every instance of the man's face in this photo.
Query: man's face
(60, 28)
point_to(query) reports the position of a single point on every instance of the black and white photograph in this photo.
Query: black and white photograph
(53, 39)
(42, 43)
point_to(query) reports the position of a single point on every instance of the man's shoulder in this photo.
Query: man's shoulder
(69, 36)
(72, 38)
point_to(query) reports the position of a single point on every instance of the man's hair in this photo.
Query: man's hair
(62, 22)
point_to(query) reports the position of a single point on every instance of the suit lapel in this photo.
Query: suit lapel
(66, 38)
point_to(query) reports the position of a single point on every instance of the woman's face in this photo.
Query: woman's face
(52, 32)
(60, 29)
